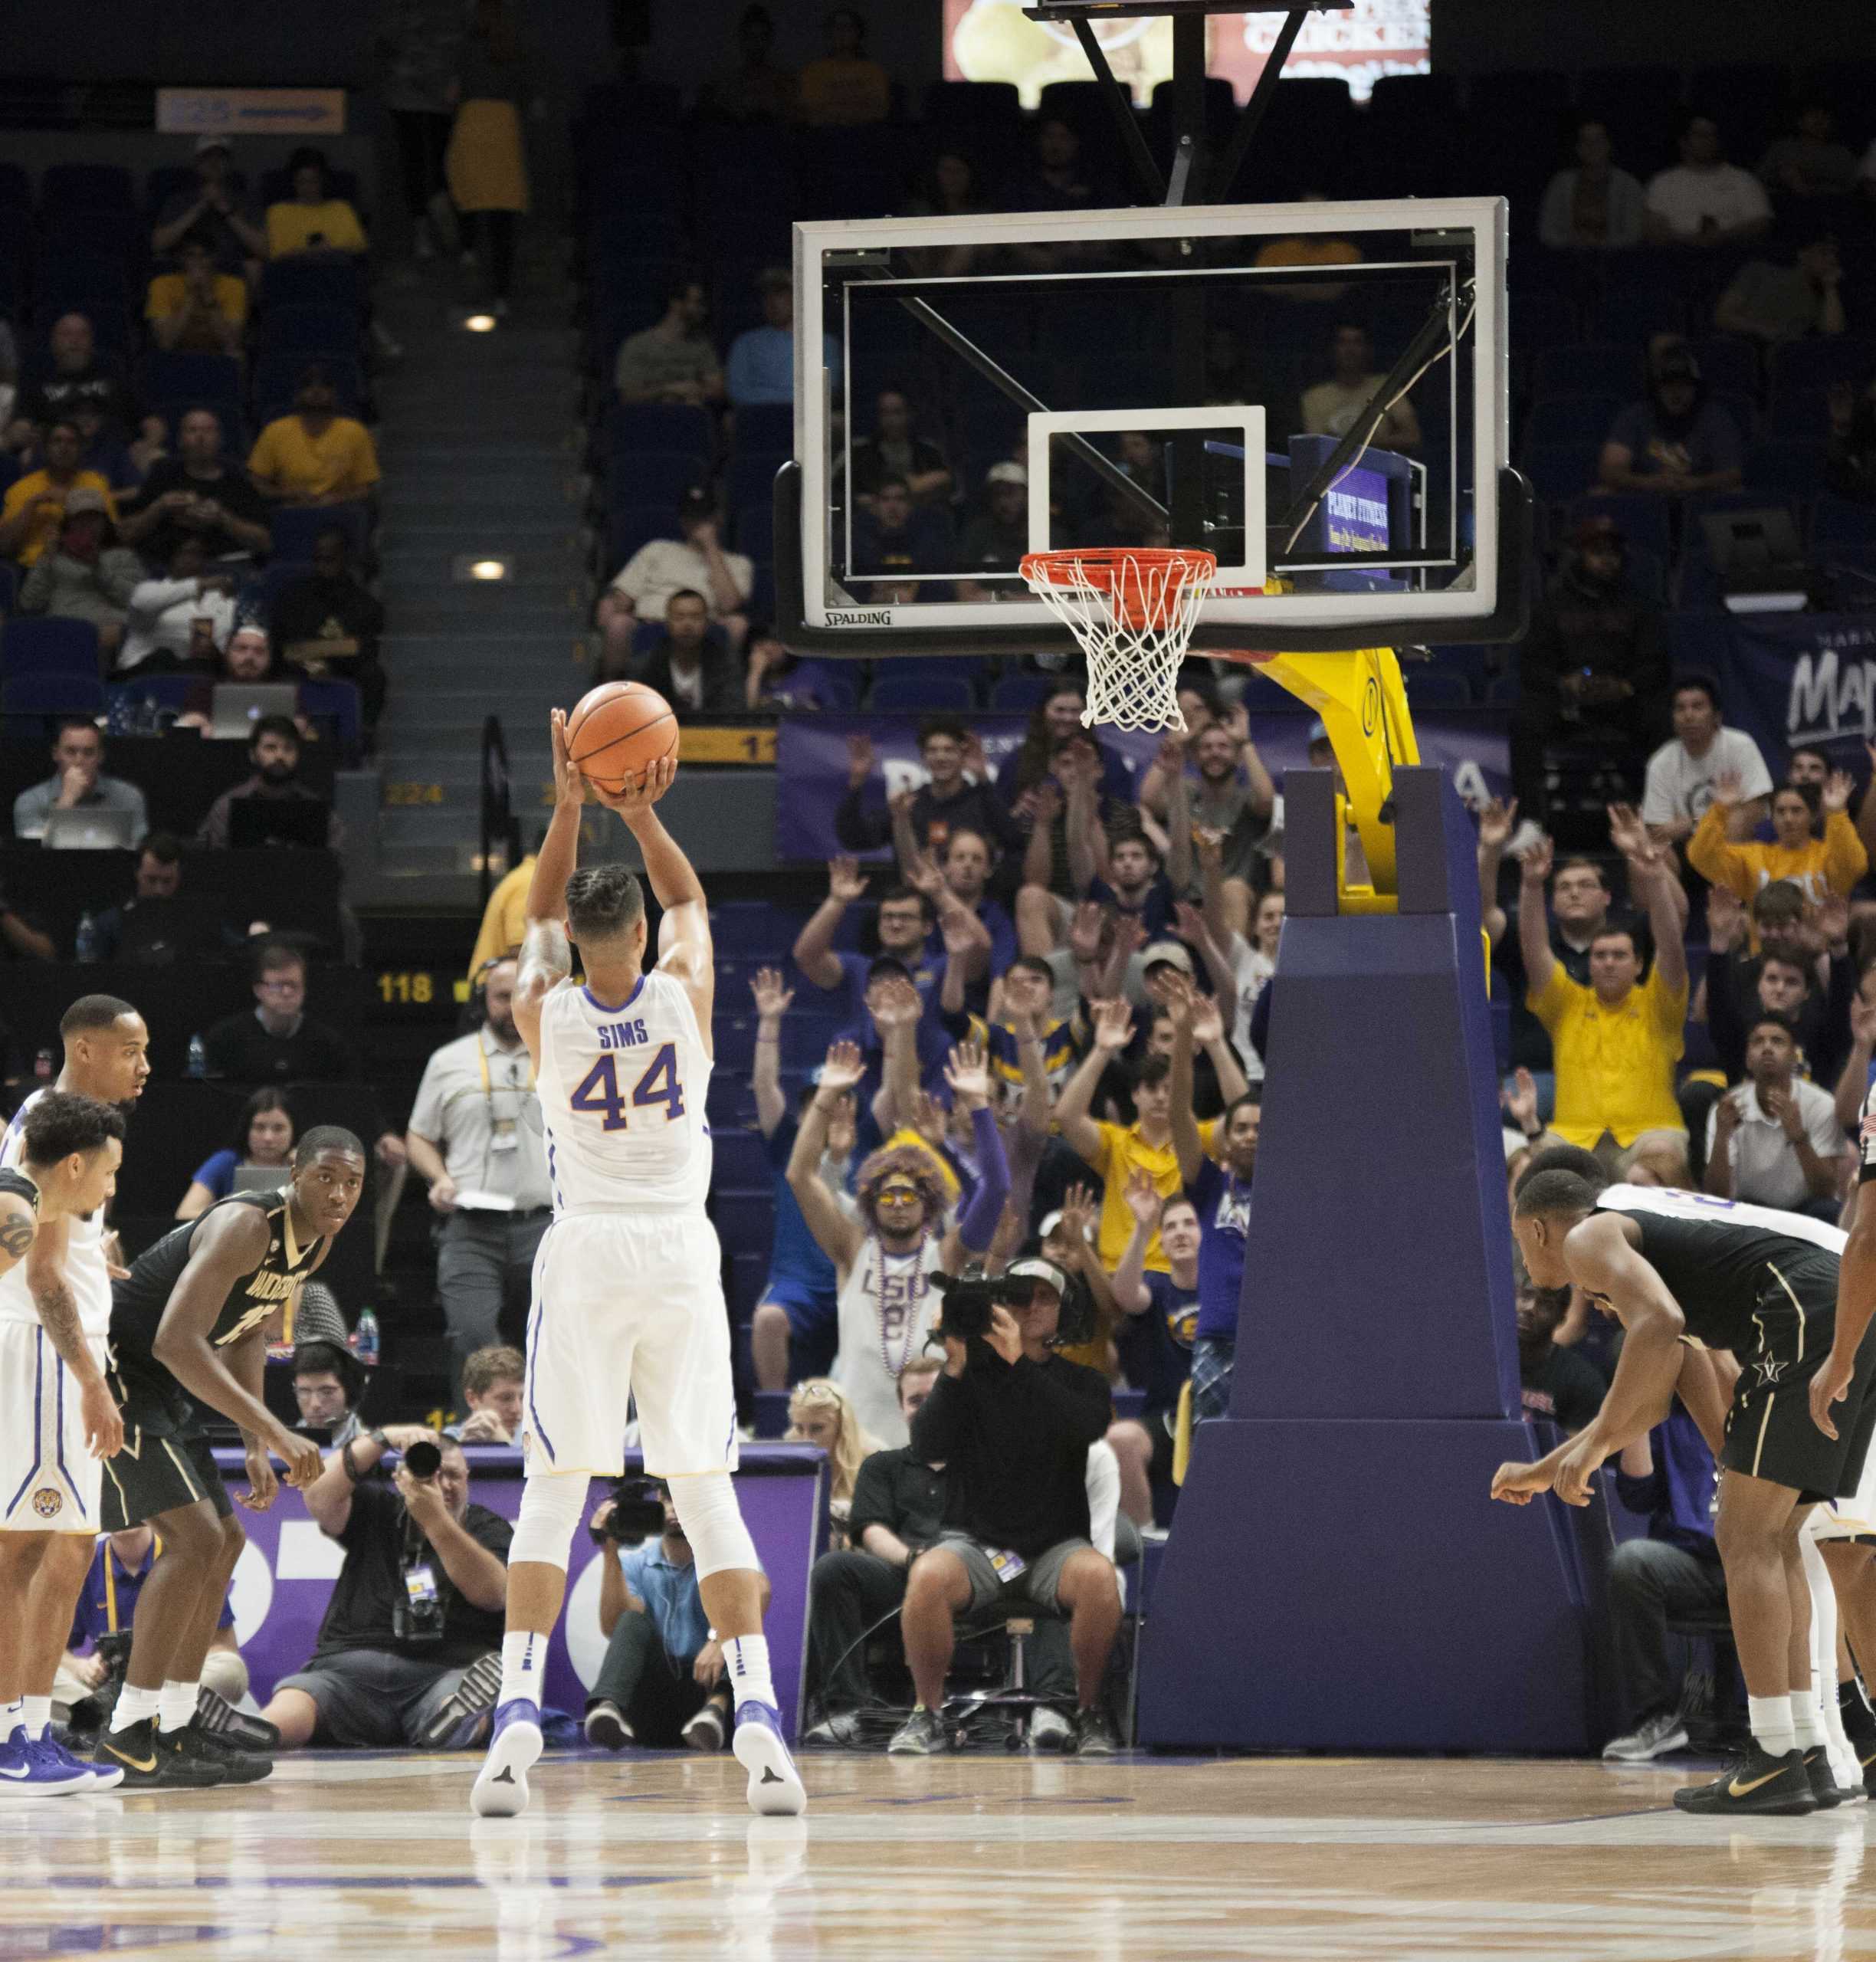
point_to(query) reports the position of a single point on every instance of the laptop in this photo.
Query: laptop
(1760, 559)
(239, 705)
(90, 828)
(257, 821)
(260, 1178)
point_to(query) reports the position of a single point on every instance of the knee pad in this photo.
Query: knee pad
(226, 1674)
(551, 1507)
(712, 1523)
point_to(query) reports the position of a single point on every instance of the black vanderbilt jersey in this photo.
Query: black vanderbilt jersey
(1718, 1257)
(138, 1301)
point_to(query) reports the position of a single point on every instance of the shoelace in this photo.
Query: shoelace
(48, 1752)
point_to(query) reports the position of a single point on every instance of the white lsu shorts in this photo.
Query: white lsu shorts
(49, 1482)
(628, 1304)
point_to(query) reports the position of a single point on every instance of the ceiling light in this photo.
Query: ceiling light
(480, 323)
(468, 567)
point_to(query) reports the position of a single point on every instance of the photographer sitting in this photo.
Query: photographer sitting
(662, 1682)
(418, 1605)
(1012, 1422)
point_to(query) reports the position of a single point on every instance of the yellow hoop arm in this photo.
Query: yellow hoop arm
(1362, 703)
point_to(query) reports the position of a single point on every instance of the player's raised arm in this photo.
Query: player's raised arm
(546, 958)
(229, 1244)
(684, 932)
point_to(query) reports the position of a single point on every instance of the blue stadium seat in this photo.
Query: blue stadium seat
(669, 426)
(832, 685)
(277, 376)
(1817, 361)
(1628, 315)
(16, 188)
(754, 927)
(751, 475)
(1728, 365)
(294, 528)
(766, 428)
(638, 476)
(312, 279)
(1561, 472)
(87, 186)
(214, 378)
(310, 326)
(740, 1162)
(82, 283)
(335, 702)
(990, 112)
(647, 635)
(1699, 641)
(1837, 521)
(893, 693)
(48, 694)
(1017, 695)
(746, 1226)
(1572, 418)
(1791, 469)
(1799, 416)
(1429, 688)
(630, 525)
(37, 644)
(1587, 366)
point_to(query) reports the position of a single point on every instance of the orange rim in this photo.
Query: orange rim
(1124, 572)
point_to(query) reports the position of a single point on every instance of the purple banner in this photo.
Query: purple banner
(811, 760)
(285, 1577)
(1800, 677)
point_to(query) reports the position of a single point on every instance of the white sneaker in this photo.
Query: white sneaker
(774, 1785)
(1653, 1738)
(501, 1785)
(1050, 1730)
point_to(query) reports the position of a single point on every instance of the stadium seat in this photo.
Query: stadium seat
(740, 1163)
(1837, 521)
(9, 587)
(638, 476)
(630, 525)
(335, 702)
(312, 279)
(1642, 519)
(43, 694)
(85, 186)
(277, 377)
(36, 644)
(310, 326)
(214, 378)
(1587, 366)
(294, 528)
(1572, 418)
(1791, 469)
(1819, 360)
(16, 188)
(893, 693)
(675, 427)
(1561, 472)
(1728, 365)
(1431, 687)
(1017, 695)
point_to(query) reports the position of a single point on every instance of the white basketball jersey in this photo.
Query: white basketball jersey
(621, 1096)
(86, 1272)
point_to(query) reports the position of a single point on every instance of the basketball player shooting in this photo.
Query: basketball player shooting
(1672, 1266)
(627, 1293)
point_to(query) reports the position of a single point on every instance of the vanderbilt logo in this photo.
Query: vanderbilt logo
(47, 1502)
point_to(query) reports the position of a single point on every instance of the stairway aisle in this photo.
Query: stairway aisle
(481, 449)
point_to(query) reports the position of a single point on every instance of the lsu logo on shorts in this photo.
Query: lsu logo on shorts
(48, 1502)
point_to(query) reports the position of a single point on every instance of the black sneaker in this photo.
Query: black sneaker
(216, 1715)
(1758, 1783)
(458, 1722)
(922, 1735)
(1095, 1735)
(606, 1726)
(1823, 1779)
(150, 1762)
(240, 1766)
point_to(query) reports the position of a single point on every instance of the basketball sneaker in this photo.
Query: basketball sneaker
(705, 1731)
(457, 1722)
(1653, 1738)
(606, 1726)
(774, 1785)
(921, 1735)
(1758, 1783)
(242, 1767)
(1049, 1729)
(215, 1714)
(28, 1770)
(152, 1761)
(104, 1778)
(1095, 1735)
(501, 1786)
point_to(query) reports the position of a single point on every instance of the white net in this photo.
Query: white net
(1133, 613)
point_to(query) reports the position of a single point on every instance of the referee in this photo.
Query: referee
(474, 1136)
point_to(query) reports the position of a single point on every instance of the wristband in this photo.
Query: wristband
(344, 1458)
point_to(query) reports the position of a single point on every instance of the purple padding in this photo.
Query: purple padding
(1348, 1586)
(781, 1489)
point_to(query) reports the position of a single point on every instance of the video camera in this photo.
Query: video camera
(968, 1299)
(638, 1514)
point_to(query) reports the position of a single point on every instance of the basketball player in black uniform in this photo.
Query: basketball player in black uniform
(1673, 1267)
(190, 1321)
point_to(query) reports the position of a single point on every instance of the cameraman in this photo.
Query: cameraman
(662, 1683)
(417, 1602)
(1012, 1422)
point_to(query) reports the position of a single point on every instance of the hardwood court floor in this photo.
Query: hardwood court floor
(970, 1859)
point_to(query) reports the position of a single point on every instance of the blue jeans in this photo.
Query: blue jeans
(1212, 1358)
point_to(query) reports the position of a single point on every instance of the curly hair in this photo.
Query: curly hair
(908, 1161)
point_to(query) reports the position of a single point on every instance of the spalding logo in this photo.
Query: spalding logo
(47, 1502)
(880, 616)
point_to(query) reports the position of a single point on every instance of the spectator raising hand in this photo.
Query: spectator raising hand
(845, 1066)
(773, 998)
(967, 1070)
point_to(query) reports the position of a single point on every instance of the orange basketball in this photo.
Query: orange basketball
(617, 730)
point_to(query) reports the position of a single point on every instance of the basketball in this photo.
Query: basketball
(617, 729)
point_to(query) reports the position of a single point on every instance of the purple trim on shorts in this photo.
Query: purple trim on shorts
(39, 1442)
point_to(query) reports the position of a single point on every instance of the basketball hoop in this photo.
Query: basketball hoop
(1132, 610)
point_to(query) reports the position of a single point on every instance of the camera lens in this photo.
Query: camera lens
(423, 1460)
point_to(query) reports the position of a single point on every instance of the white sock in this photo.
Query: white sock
(1771, 1720)
(36, 1714)
(746, 1657)
(176, 1709)
(524, 1664)
(133, 1705)
(12, 1717)
(1807, 1720)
